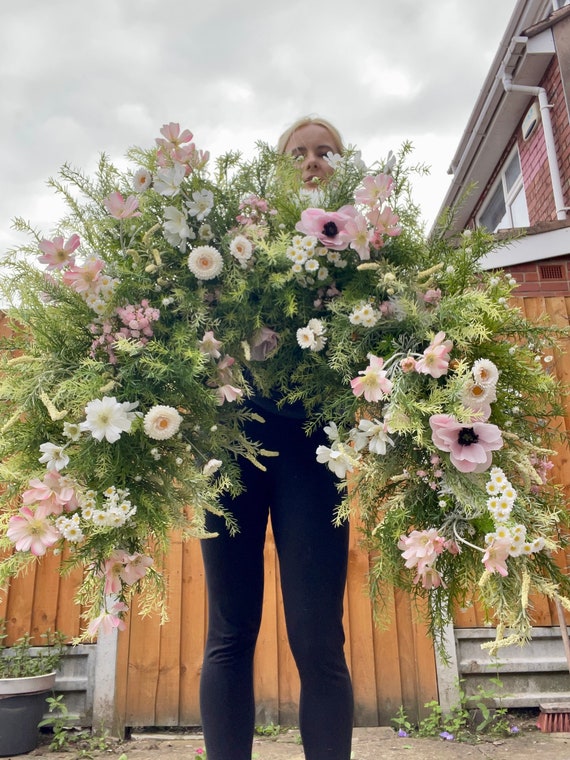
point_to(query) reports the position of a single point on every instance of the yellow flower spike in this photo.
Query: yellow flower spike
(246, 350)
(525, 590)
(150, 268)
(53, 412)
(428, 272)
(108, 386)
(147, 235)
(484, 578)
(369, 265)
(8, 424)
(156, 256)
(133, 254)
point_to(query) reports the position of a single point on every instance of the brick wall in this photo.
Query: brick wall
(549, 277)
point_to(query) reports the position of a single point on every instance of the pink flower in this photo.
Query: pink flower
(209, 345)
(172, 137)
(327, 226)
(228, 392)
(122, 208)
(385, 222)
(359, 236)
(31, 532)
(112, 570)
(435, 361)
(408, 364)
(263, 342)
(135, 567)
(429, 577)
(108, 620)
(469, 446)
(374, 190)
(496, 555)
(58, 254)
(52, 495)
(421, 548)
(373, 384)
(84, 279)
(432, 295)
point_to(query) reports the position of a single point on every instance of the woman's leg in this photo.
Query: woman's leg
(234, 578)
(313, 557)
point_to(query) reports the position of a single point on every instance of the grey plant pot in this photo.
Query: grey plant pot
(22, 707)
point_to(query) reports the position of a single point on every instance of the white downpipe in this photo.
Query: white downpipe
(545, 107)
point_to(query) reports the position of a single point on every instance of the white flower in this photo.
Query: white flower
(53, 456)
(312, 265)
(142, 180)
(161, 422)
(201, 205)
(167, 181)
(71, 431)
(306, 337)
(331, 431)
(376, 434)
(340, 458)
(176, 229)
(108, 418)
(241, 248)
(333, 159)
(312, 336)
(485, 373)
(212, 466)
(205, 232)
(205, 262)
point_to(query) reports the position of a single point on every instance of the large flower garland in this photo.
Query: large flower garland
(172, 293)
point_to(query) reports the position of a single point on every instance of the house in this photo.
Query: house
(511, 174)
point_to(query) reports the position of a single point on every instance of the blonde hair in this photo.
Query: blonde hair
(303, 122)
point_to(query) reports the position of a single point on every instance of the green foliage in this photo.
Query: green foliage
(24, 659)
(84, 743)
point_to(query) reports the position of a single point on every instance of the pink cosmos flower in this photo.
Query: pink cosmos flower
(373, 383)
(495, 557)
(327, 226)
(263, 342)
(429, 577)
(421, 548)
(57, 253)
(84, 279)
(172, 137)
(359, 236)
(108, 620)
(408, 364)
(52, 495)
(31, 532)
(112, 570)
(432, 295)
(385, 223)
(135, 567)
(469, 446)
(374, 190)
(122, 208)
(209, 345)
(435, 361)
(228, 392)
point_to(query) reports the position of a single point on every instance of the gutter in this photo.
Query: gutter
(545, 107)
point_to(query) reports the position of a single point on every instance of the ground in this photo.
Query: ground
(368, 744)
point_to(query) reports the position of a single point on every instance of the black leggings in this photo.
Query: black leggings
(300, 493)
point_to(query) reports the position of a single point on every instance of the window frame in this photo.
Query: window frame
(509, 195)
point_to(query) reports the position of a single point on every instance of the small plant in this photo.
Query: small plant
(23, 659)
(270, 729)
(65, 737)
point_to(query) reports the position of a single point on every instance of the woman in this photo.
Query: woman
(300, 495)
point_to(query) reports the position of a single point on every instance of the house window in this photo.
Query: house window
(505, 206)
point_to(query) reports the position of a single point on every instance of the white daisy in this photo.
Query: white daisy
(108, 418)
(161, 422)
(53, 456)
(205, 262)
(201, 204)
(305, 337)
(312, 265)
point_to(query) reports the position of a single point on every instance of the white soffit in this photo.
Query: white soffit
(537, 247)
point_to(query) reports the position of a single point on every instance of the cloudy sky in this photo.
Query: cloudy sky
(79, 77)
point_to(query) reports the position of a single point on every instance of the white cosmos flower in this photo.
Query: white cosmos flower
(485, 373)
(161, 422)
(339, 458)
(241, 248)
(167, 181)
(205, 262)
(176, 229)
(201, 205)
(53, 456)
(108, 418)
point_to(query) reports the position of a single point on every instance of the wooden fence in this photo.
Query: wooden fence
(159, 666)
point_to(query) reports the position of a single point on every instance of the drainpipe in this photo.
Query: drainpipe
(545, 107)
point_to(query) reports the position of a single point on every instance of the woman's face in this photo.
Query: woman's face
(311, 143)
